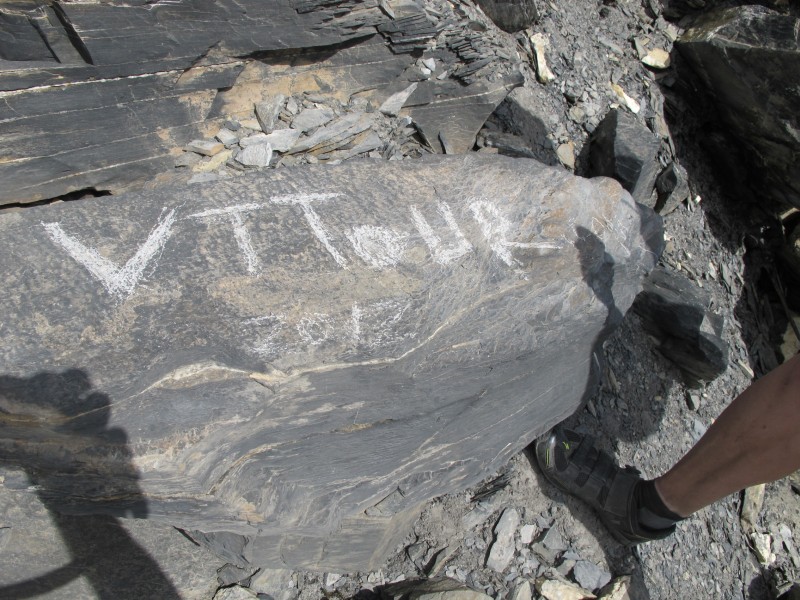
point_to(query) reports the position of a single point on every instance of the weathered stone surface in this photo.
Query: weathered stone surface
(626, 150)
(749, 59)
(676, 312)
(511, 15)
(265, 359)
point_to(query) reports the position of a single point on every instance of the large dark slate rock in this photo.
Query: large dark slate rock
(749, 60)
(623, 148)
(291, 364)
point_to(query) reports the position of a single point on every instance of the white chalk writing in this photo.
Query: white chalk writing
(280, 334)
(443, 256)
(496, 229)
(304, 201)
(379, 247)
(119, 281)
(240, 233)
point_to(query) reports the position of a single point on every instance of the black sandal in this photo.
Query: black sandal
(571, 462)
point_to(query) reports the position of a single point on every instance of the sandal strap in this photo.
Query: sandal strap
(619, 494)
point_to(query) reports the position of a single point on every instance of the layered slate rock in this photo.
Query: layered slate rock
(676, 313)
(102, 96)
(749, 60)
(288, 365)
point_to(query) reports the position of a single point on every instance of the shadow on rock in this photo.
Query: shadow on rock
(55, 427)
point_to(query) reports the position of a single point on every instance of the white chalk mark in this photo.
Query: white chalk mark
(355, 319)
(496, 229)
(240, 233)
(315, 329)
(443, 256)
(387, 314)
(313, 220)
(379, 247)
(227, 211)
(118, 281)
(268, 346)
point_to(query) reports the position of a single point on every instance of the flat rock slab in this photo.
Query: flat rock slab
(290, 364)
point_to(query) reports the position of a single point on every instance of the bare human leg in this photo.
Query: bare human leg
(755, 440)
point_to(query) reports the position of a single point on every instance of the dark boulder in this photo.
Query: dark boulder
(676, 312)
(625, 149)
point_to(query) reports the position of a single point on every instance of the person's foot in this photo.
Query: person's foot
(572, 463)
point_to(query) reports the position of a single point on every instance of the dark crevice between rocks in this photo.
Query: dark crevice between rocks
(289, 56)
(73, 36)
(82, 194)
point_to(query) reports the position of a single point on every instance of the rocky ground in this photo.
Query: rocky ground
(516, 536)
(516, 530)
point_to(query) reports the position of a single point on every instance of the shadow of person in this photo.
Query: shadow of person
(55, 427)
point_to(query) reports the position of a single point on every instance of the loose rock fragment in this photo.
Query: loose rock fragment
(673, 188)
(657, 58)
(526, 534)
(205, 147)
(267, 112)
(751, 507)
(282, 140)
(502, 550)
(235, 592)
(540, 43)
(392, 105)
(566, 154)
(334, 134)
(589, 575)
(629, 102)
(747, 59)
(673, 310)
(213, 163)
(522, 592)
(552, 589)
(441, 558)
(762, 547)
(443, 588)
(312, 117)
(227, 137)
(511, 16)
(617, 589)
(257, 155)
(187, 159)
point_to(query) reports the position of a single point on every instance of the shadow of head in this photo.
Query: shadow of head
(55, 426)
(62, 402)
